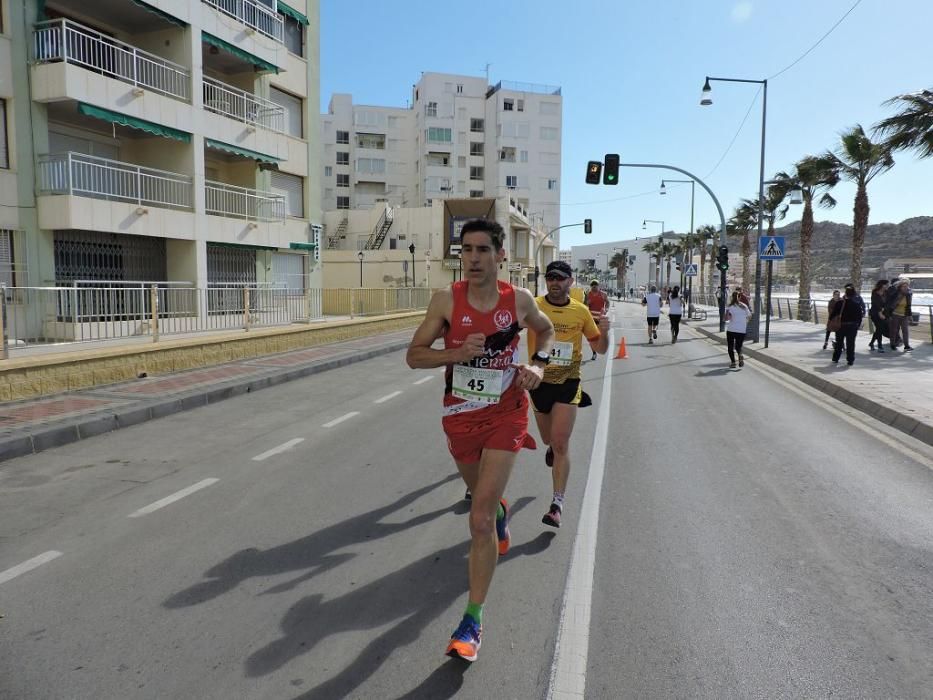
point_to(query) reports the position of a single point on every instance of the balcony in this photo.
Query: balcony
(81, 175)
(254, 15)
(222, 199)
(63, 40)
(242, 106)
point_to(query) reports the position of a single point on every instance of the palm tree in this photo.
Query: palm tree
(653, 248)
(912, 127)
(813, 183)
(619, 263)
(705, 233)
(744, 219)
(667, 251)
(858, 159)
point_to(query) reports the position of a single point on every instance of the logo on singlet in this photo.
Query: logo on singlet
(503, 319)
(466, 321)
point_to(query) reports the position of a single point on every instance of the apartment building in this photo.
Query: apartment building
(459, 139)
(159, 141)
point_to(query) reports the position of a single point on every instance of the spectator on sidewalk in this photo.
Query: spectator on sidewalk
(737, 315)
(851, 311)
(898, 312)
(830, 308)
(876, 314)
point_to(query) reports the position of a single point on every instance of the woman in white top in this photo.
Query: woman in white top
(737, 315)
(675, 312)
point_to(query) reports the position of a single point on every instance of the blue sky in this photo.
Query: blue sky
(631, 73)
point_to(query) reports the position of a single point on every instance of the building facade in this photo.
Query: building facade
(159, 141)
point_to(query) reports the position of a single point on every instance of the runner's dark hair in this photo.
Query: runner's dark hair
(496, 234)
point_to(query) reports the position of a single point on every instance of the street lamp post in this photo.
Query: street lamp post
(706, 100)
(692, 184)
(541, 242)
(657, 273)
(411, 249)
(360, 256)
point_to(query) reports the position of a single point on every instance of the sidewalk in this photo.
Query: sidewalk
(894, 387)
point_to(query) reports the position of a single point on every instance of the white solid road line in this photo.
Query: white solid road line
(387, 397)
(174, 497)
(277, 450)
(28, 565)
(424, 379)
(568, 672)
(334, 422)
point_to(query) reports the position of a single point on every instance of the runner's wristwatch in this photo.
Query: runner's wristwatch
(542, 357)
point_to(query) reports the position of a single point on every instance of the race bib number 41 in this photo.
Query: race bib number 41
(562, 354)
(477, 384)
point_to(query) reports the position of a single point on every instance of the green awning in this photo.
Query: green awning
(133, 122)
(301, 246)
(240, 151)
(294, 14)
(241, 246)
(238, 52)
(164, 15)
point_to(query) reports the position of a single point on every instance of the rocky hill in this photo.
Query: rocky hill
(831, 247)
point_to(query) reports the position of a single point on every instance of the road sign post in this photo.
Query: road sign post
(770, 248)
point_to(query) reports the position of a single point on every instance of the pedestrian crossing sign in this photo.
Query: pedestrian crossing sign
(771, 248)
(691, 270)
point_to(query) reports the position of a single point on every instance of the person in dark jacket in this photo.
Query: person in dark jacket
(875, 313)
(851, 310)
(830, 306)
(898, 312)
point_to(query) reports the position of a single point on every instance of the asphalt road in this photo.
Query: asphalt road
(754, 540)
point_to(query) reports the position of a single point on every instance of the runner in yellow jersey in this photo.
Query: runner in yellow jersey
(556, 399)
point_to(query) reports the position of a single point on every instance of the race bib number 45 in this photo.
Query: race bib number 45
(477, 384)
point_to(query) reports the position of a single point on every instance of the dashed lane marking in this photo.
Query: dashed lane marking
(177, 496)
(387, 397)
(342, 418)
(278, 450)
(424, 379)
(28, 565)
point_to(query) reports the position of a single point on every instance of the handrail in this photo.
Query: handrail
(253, 14)
(243, 106)
(222, 199)
(70, 41)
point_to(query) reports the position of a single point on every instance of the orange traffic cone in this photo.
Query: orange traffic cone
(621, 355)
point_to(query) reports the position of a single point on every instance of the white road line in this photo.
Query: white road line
(568, 672)
(276, 450)
(174, 497)
(424, 379)
(387, 397)
(334, 422)
(28, 565)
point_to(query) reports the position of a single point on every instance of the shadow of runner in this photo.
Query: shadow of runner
(312, 553)
(311, 621)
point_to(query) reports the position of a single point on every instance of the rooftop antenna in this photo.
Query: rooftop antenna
(487, 73)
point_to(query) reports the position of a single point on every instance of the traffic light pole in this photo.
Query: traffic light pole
(722, 229)
(541, 242)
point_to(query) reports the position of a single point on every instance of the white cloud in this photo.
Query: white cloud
(741, 11)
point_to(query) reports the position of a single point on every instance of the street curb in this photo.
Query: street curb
(68, 432)
(881, 412)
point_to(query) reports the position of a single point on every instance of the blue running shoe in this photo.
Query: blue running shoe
(502, 529)
(465, 641)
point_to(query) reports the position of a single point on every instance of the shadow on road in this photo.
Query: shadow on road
(312, 554)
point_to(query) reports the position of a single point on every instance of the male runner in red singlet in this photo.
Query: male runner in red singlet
(485, 400)
(597, 301)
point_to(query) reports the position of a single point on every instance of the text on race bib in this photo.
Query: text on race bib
(477, 384)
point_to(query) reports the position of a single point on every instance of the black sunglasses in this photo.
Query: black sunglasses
(555, 276)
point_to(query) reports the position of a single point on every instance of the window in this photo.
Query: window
(549, 133)
(520, 105)
(511, 181)
(12, 269)
(370, 165)
(343, 202)
(477, 125)
(343, 180)
(476, 148)
(476, 172)
(476, 193)
(439, 135)
(328, 171)
(343, 137)
(549, 109)
(343, 158)
(523, 156)
(4, 149)
(392, 122)
(507, 154)
(508, 105)
(430, 109)
(292, 107)
(292, 187)
(461, 161)
(377, 141)
(294, 35)
(459, 88)
(547, 158)
(552, 184)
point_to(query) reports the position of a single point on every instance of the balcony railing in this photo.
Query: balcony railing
(253, 14)
(222, 199)
(64, 40)
(88, 176)
(243, 106)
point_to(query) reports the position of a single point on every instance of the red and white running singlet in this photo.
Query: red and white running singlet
(485, 380)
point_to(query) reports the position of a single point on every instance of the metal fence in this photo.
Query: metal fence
(35, 316)
(243, 203)
(253, 14)
(89, 176)
(243, 106)
(66, 40)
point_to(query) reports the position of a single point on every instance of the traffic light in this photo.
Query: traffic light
(593, 170)
(722, 258)
(611, 173)
(587, 226)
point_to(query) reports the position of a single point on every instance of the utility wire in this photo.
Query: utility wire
(605, 201)
(735, 136)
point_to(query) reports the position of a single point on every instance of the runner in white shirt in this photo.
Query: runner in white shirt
(652, 300)
(737, 315)
(675, 312)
